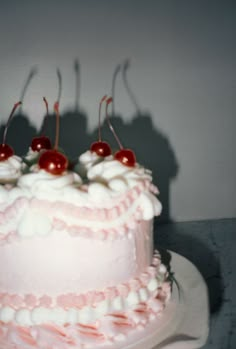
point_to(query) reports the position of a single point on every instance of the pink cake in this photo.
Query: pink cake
(77, 266)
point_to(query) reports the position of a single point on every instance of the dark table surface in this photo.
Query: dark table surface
(211, 246)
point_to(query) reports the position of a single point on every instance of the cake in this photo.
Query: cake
(77, 266)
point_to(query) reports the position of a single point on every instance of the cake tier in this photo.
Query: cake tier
(78, 266)
(98, 319)
(60, 263)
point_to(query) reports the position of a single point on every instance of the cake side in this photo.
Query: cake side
(78, 256)
(62, 263)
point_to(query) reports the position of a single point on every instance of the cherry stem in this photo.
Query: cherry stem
(56, 109)
(116, 71)
(109, 100)
(99, 118)
(46, 105)
(8, 121)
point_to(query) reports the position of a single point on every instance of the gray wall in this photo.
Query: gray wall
(180, 117)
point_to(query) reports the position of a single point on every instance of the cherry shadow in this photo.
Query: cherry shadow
(21, 131)
(20, 134)
(74, 136)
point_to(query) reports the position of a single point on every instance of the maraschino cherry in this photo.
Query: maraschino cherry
(101, 148)
(6, 150)
(125, 156)
(52, 160)
(41, 142)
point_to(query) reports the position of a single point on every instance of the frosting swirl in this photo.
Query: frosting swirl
(11, 169)
(41, 182)
(117, 176)
(31, 156)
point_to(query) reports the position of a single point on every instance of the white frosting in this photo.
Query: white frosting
(89, 159)
(11, 169)
(162, 269)
(117, 176)
(72, 316)
(108, 180)
(40, 315)
(143, 294)
(132, 299)
(152, 285)
(86, 315)
(23, 317)
(34, 223)
(32, 155)
(40, 182)
(7, 314)
(118, 303)
(58, 316)
(102, 307)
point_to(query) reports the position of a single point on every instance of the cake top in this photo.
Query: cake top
(101, 192)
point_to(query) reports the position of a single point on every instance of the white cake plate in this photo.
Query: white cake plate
(184, 324)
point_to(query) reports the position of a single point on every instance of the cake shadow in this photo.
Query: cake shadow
(74, 137)
(20, 134)
(20, 131)
(180, 238)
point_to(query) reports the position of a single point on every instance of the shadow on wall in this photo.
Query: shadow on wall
(152, 148)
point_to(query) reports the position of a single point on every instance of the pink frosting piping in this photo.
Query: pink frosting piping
(114, 212)
(109, 329)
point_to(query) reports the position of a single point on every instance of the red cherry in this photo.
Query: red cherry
(53, 162)
(5, 152)
(39, 143)
(101, 148)
(126, 157)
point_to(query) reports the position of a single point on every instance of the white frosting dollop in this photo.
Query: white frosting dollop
(117, 176)
(31, 155)
(40, 315)
(11, 169)
(7, 314)
(40, 182)
(108, 178)
(86, 315)
(132, 299)
(23, 317)
(152, 285)
(72, 316)
(89, 158)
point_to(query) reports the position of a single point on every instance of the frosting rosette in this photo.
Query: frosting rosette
(11, 169)
(86, 161)
(39, 182)
(117, 176)
(32, 156)
(110, 179)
